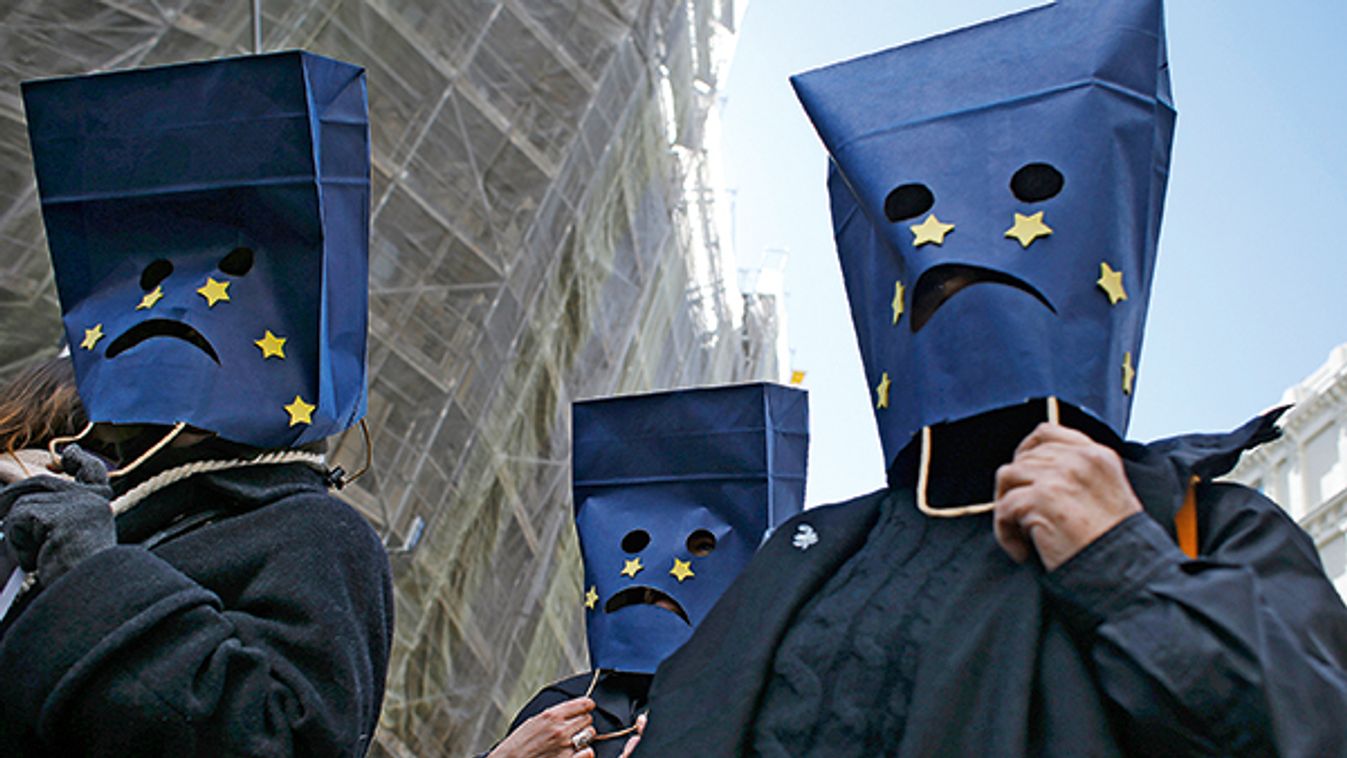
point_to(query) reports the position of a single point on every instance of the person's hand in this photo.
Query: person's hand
(21, 464)
(552, 733)
(632, 742)
(52, 524)
(1060, 492)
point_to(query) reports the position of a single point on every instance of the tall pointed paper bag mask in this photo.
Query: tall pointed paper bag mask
(996, 195)
(209, 226)
(674, 491)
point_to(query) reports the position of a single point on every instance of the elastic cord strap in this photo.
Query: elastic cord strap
(924, 474)
(609, 735)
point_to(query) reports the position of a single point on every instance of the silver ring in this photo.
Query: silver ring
(581, 739)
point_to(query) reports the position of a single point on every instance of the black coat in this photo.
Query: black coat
(262, 630)
(1128, 648)
(618, 697)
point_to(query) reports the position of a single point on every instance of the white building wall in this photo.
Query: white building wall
(1306, 470)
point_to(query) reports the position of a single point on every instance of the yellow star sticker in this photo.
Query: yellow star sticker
(92, 336)
(882, 392)
(1028, 228)
(1129, 373)
(632, 567)
(214, 291)
(1110, 282)
(272, 346)
(682, 570)
(591, 598)
(930, 230)
(897, 301)
(300, 411)
(150, 299)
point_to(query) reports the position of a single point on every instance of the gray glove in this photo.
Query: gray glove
(52, 524)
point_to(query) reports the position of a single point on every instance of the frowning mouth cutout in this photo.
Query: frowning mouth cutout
(645, 596)
(940, 283)
(157, 328)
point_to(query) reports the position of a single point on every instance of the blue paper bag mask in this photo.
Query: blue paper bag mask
(209, 227)
(996, 195)
(674, 491)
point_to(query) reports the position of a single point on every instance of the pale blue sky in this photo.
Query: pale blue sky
(1249, 289)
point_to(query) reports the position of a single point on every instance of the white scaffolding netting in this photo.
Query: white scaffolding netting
(545, 228)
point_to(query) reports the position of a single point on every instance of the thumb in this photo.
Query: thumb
(86, 467)
(25, 533)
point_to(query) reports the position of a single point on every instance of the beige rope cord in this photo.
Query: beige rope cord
(145, 456)
(161, 480)
(178, 429)
(133, 496)
(614, 735)
(140, 492)
(593, 682)
(51, 445)
(164, 478)
(924, 474)
(369, 455)
(124, 470)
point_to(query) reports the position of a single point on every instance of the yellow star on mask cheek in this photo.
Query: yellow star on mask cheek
(271, 345)
(632, 567)
(214, 291)
(1110, 282)
(930, 230)
(897, 301)
(1028, 228)
(591, 598)
(682, 570)
(1129, 373)
(150, 298)
(882, 392)
(92, 336)
(300, 411)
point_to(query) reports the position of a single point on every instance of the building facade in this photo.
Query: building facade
(547, 225)
(1306, 470)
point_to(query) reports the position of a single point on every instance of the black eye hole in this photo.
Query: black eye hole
(908, 201)
(635, 541)
(701, 543)
(1036, 182)
(154, 274)
(238, 262)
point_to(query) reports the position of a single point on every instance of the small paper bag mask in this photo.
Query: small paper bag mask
(674, 492)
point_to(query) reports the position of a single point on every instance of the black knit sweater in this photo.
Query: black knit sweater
(843, 674)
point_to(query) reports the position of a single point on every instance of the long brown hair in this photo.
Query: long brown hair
(38, 404)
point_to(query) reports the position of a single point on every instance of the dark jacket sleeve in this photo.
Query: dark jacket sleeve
(1239, 652)
(128, 655)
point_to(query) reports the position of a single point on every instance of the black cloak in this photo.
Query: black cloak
(247, 612)
(1130, 647)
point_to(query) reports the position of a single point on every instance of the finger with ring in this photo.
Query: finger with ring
(581, 739)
